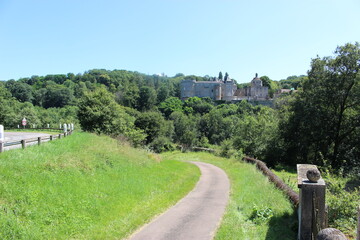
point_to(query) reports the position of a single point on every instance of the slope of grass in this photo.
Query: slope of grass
(256, 210)
(86, 187)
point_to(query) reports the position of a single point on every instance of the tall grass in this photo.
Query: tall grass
(256, 210)
(86, 187)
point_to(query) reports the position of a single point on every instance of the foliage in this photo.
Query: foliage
(12, 112)
(98, 112)
(323, 123)
(220, 76)
(161, 144)
(195, 105)
(171, 105)
(342, 203)
(153, 124)
(21, 91)
(254, 133)
(58, 96)
(294, 82)
(147, 98)
(227, 150)
(185, 129)
(273, 86)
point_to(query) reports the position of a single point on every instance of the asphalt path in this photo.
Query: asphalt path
(18, 136)
(197, 215)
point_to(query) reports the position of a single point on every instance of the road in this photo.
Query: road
(197, 215)
(17, 136)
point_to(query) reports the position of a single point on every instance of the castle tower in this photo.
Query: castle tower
(256, 82)
(257, 90)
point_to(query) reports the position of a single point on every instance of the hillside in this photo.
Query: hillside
(86, 186)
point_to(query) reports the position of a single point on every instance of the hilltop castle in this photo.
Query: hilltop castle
(224, 90)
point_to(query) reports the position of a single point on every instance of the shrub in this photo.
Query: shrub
(161, 144)
(342, 205)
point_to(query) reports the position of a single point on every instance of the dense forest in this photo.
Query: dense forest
(318, 123)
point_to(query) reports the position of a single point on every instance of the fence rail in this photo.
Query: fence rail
(33, 141)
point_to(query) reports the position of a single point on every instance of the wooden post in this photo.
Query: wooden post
(51, 137)
(59, 135)
(39, 140)
(23, 143)
(1, 146)
(358, 227)
(312, 204)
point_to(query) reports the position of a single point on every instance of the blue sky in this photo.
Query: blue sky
(276, 38)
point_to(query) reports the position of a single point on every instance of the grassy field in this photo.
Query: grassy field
(257, 210)
(86, 187)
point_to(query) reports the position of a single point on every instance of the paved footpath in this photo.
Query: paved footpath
(196, 216)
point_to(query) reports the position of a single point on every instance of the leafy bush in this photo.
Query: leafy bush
(161, 144)
(227, 150)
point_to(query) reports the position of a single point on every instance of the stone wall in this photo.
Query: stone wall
(216, 90)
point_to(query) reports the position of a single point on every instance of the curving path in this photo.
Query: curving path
(197, 215)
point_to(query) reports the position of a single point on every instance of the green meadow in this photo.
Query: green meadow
(86, 187)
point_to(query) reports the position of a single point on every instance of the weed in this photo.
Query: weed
(260, 215)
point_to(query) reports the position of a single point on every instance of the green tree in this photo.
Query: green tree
(152, 123)
(58, 96)
(198, 105)
(170, 105)
(226, 76)
(218, 125)
(220, 76)
(325, 118)
(98, 112)
(128, 95)
(185, 129)
(19, 90)
(147, 98)
(163, 93)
